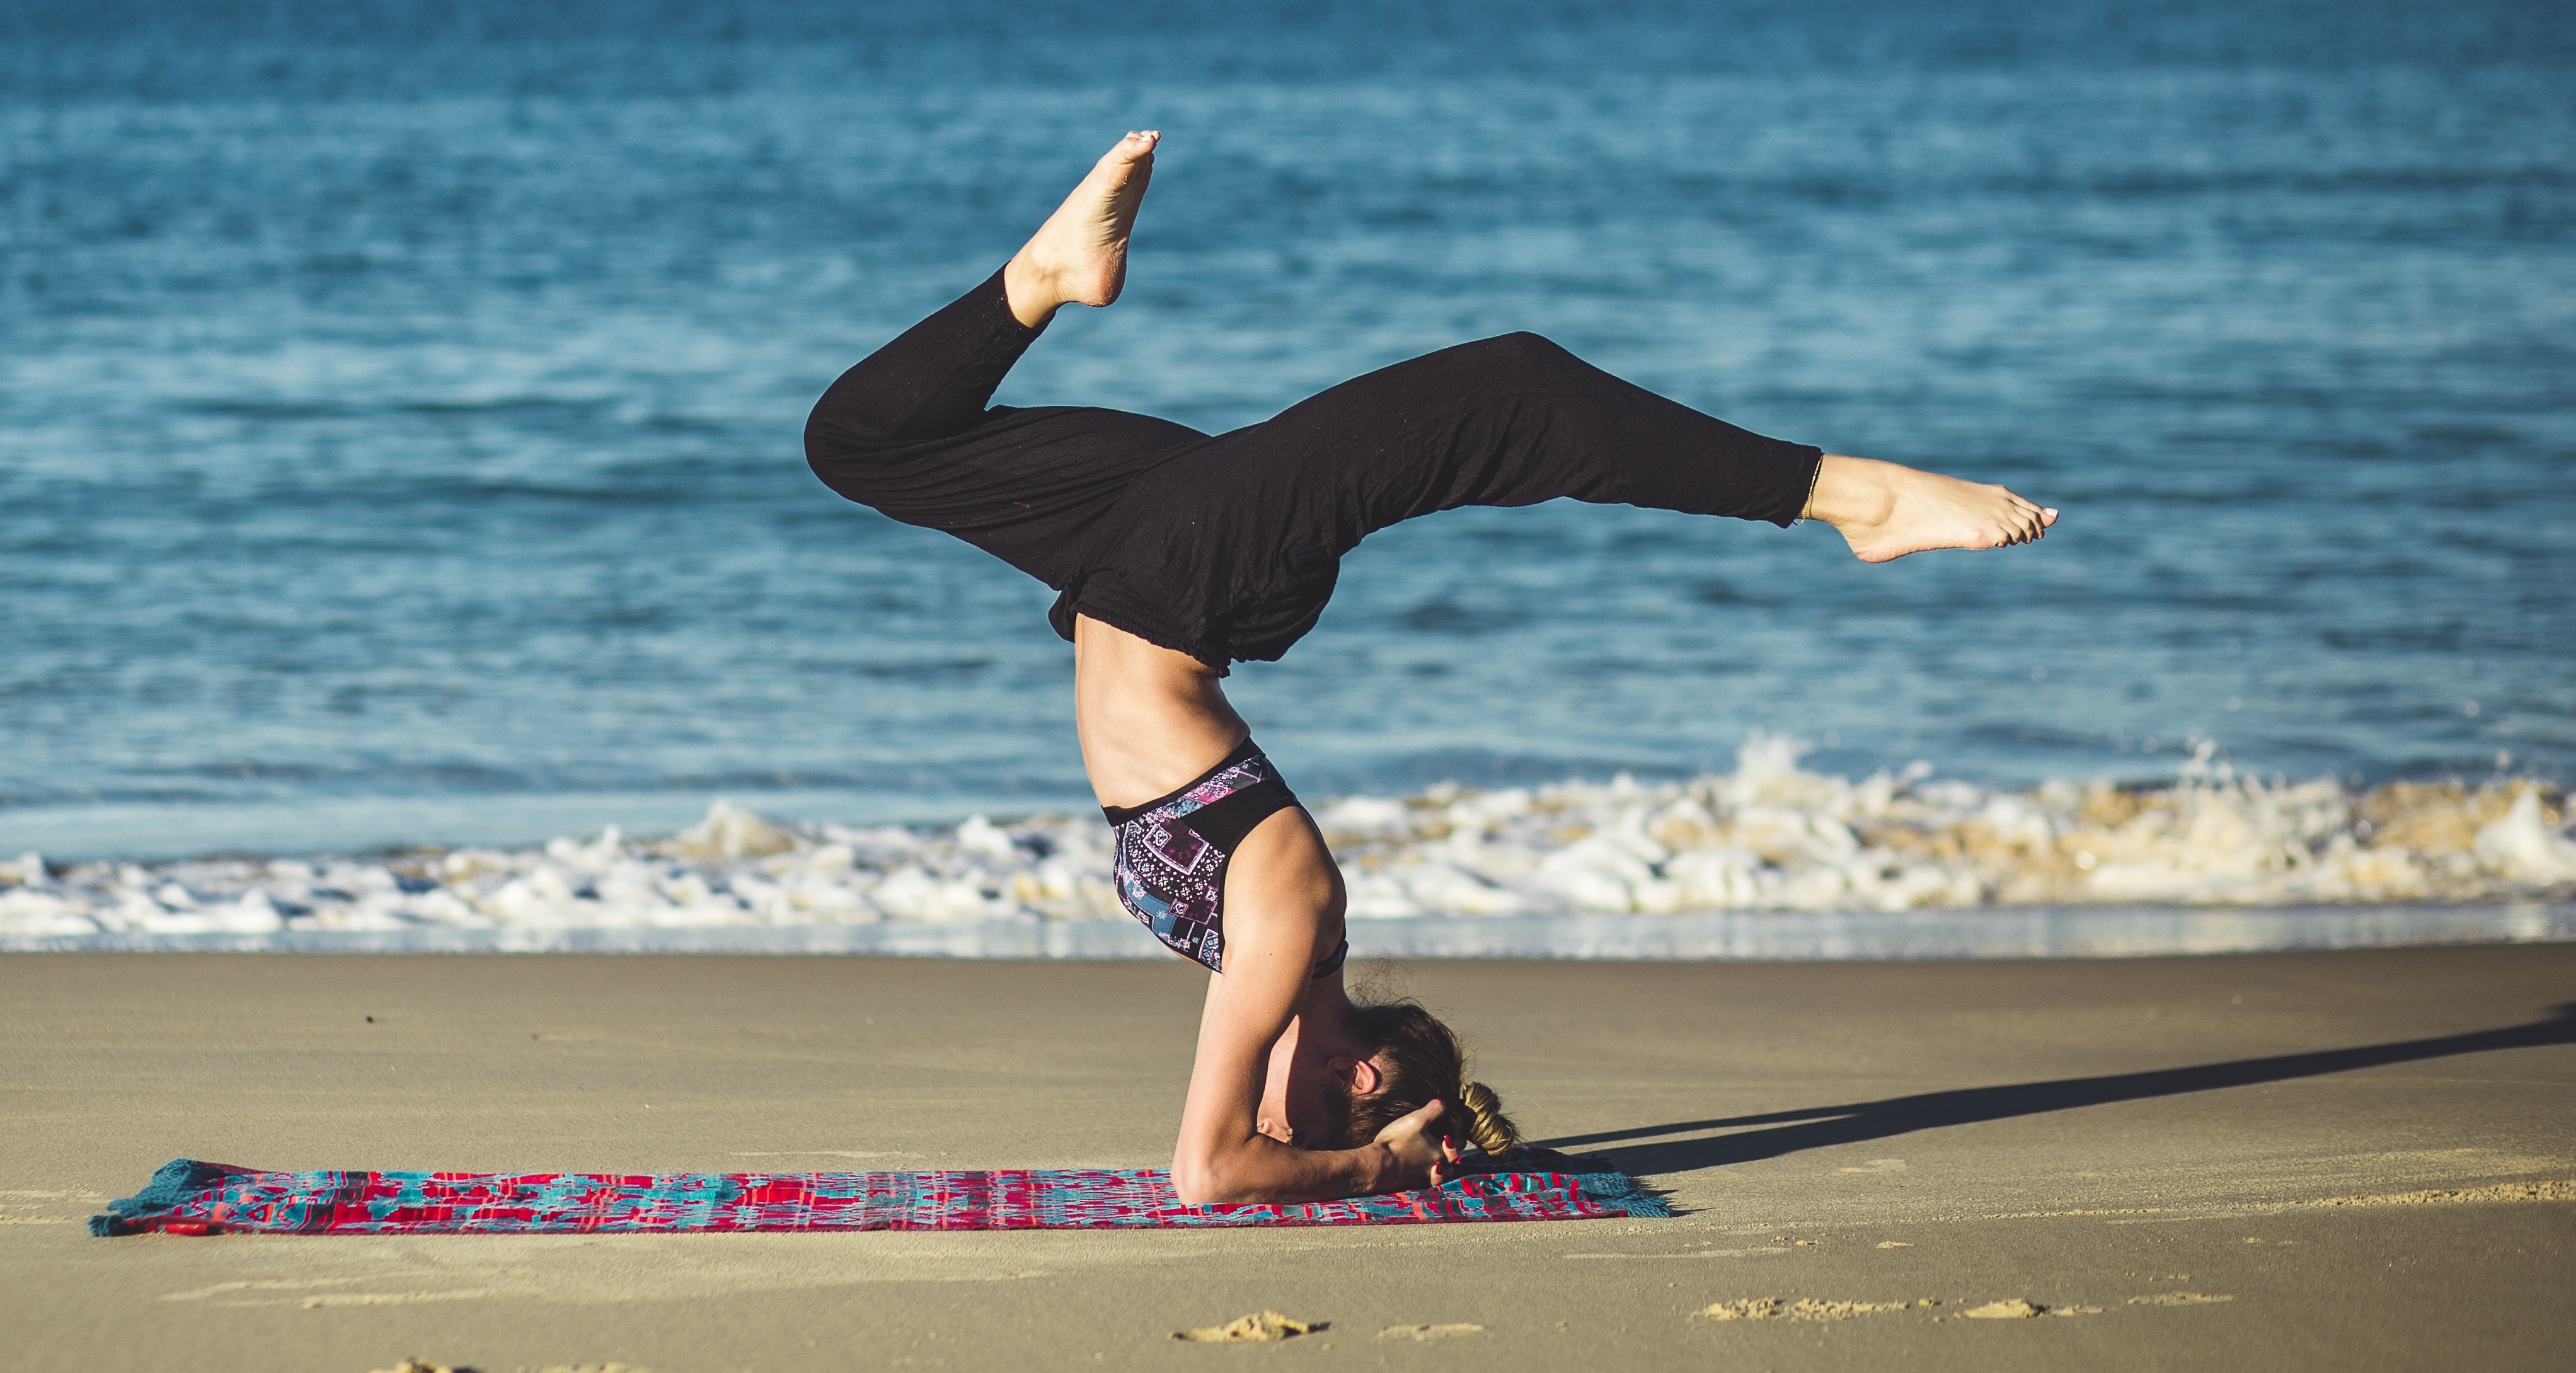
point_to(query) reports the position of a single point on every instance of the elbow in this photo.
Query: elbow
(1196, 1181)
(1210, 1178)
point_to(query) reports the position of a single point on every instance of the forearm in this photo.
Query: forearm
(1259, 1169)
(1283, 900)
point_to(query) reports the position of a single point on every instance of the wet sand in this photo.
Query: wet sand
(2295, 1161)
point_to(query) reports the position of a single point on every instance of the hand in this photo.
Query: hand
(1420, 1147)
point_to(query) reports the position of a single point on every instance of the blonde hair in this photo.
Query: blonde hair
(1418, 1062)
(1492, 1131)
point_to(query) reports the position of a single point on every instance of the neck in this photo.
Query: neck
(1324, 1019)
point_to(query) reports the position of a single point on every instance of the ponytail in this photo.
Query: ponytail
(1491, 1130)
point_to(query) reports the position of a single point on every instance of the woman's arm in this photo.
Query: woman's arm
(1281, 894)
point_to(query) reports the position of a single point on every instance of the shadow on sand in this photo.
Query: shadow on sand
(1789, 1132)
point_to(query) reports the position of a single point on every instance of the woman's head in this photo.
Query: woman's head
(1413, 1061)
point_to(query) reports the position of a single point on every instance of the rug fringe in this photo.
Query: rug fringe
(1625, 1194)
(171, 1183)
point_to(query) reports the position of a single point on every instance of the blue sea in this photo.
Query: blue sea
(400, 404)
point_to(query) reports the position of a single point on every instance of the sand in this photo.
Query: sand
(2369, 1156)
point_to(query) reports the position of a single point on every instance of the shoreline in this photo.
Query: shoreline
(2073, 932)
(1800, 864)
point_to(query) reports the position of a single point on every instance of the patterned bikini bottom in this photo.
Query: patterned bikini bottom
(1172, 853)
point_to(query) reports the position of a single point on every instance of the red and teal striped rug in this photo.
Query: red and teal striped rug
(188, 1197)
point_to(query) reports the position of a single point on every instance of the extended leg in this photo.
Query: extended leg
(1517, 420)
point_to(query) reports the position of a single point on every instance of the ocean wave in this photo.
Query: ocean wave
(1767, 837)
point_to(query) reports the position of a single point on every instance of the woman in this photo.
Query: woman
(1176, 552)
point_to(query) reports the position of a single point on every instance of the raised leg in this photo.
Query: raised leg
(1517, 420)
(908, 429)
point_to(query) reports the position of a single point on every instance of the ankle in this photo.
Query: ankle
(1031, 290)
(1851, 492)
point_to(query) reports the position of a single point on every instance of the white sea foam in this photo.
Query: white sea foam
(1768, 836)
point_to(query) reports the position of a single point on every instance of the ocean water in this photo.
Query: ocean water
(400, 405)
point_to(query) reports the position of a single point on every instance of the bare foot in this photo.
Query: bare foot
(1886, 511)
(1079, 256)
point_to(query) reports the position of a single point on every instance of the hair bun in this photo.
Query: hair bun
(1487, 1126)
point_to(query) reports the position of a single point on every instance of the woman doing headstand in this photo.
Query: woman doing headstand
(1175, 553)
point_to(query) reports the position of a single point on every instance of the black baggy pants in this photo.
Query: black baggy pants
(1226, 546)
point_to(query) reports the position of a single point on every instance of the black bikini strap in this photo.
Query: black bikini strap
(1119, 815)
(1333, 964)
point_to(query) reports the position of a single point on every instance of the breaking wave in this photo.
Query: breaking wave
(1767, 837)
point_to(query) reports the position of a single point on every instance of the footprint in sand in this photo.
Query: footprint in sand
(425, 1366)
(2015, 1309)
(1261, 1327)
(1803, 1309)
(1429, 1332)
(2011, 1309)
(1879, 1165)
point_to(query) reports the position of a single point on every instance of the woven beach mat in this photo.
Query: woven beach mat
(190, 1197)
